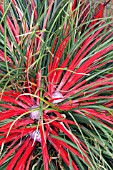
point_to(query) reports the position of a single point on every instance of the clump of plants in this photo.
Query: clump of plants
(56, 85)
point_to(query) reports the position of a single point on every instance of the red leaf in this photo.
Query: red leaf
(103, 116)
(57, 57)
(35, 11)
(70, 135)
(13, 101)
(29, 161)
(78, 57)
(38, 83)
(10, 113)
(54, 45)
(59, 52)
(3, 58)
(62, 152)
(98, 15)
(17, 155)
(84, 67)
(8, 139)
(74, 4)
(22, 161)
(59, 72)
(18, 123)
(44, 147)
(8, 154)
(13, 132)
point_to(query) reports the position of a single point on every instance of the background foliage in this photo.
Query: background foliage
(56, 62)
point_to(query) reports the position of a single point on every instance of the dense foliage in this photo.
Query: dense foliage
(56, 85)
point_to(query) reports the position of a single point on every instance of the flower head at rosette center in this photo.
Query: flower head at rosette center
(58, 97)
(35, 114)
(36, 136)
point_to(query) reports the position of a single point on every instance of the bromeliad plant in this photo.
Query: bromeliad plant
(56, 86)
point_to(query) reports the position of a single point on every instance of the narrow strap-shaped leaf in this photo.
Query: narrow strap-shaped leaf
(16, 95)
(23, 160)
(82, 69)
(44, 148)
(98, 15)
(74, 5)
(8, 154)
(103, 116)
(61, 69)
(34, 8)
(2, 57)
(79, 56)
(13, 101)
(11, 113)
(55, 63)
(59, 52)
(70, 135)
(62, 152)
(17, 155)
(18, 123)
(38, 83)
